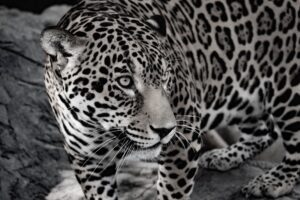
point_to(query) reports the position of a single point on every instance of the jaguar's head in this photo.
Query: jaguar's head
(118, 73)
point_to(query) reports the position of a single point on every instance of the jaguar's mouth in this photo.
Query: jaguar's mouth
(155, 146)
(142, 142)
(139, 150)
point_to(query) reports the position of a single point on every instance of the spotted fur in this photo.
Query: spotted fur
(145, 79)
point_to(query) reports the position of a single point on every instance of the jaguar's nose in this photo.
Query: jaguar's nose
(162, 132)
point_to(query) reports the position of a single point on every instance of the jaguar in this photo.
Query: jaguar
(146, 79)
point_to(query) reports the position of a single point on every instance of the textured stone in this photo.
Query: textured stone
(3, 115)
(30, 146)
(4, 96)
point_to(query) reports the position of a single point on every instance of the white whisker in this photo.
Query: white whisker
(101, 146)
(100, 162)
(179, 139)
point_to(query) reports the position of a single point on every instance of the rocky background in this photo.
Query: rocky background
(33, 165)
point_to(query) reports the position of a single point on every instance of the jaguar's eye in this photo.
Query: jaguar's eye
(125, 82)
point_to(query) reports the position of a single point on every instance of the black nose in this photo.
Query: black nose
(162, 132)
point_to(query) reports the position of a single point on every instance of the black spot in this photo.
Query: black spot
(188, 189)
(294, 127)
(103, 48)
(284, 97)
(254, 4)
(88, 187)
(90, 96)
(181, 182)
(249, 110)
(204, 120)
(96, 36)
(105, 106)
(191, 173)
(177, 195)
(104, 115)
(276, 53)
(180, 164)
(244, 32)
(224, 40)
(173, 175)
(289, 115)
(235, 120)
(110, 38)
(110, 193)
(279, 111)
(295, 74)
(103, 70)
(100, 190)
(238, 9)
(287, 135)
(109, 171)
(217, 121)
(235, 101)
(81, 80)
(107, 61)
(291, 148)
(210, 96)
(80, 34)
(266, 23)
(241, 63)
(102, 151)
(169, 187)
(287, 18)
(278, 2)
(173, 153)
(255, 85)
(217, 11)
(261, 49)
(86, 71)
(98, 85)
(291, 42)
(218, 66)
(203, 29)
(295, 100)
(89, 27)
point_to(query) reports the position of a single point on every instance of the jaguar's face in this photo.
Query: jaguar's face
(123, 81)
(127, 90)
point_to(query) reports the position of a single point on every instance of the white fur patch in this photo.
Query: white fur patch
(68, 189)
(136, 181)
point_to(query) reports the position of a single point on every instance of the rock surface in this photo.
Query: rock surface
(33, 165)
(30, 145)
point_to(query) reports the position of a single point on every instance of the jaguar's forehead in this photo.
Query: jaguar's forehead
(130, 47)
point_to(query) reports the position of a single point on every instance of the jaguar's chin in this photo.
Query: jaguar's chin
(148, 153)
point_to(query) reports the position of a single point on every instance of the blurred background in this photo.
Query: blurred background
(35, 6)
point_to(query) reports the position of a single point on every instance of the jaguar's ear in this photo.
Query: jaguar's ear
(63, 47)
(158, 23)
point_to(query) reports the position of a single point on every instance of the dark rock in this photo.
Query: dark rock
(3, 115)
(4, 96)
(31, 148)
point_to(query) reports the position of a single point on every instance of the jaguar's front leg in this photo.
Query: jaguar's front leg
(96, 177)
(177, 168)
